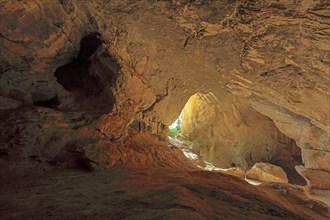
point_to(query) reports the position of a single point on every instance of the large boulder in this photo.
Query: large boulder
(266, 172)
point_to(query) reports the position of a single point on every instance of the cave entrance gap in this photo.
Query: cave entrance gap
(203, 124)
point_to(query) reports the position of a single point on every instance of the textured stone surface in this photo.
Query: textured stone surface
(37, 37)
(36, 138)
(151, 194)
(266, 172)
(228, 133)
(270, 57)
(315, 179)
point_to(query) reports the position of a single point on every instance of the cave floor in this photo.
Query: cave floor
(123, 193)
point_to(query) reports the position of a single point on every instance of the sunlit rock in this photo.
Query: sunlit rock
(228, 133)
(266, 172)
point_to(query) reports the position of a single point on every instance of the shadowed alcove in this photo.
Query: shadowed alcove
(86, 78)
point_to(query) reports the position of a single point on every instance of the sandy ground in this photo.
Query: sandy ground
(122, 193)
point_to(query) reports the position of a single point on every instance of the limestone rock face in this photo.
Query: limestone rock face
(224, 131)
(315, 179)
(266, 172)
(265, 61)
(41, 139)
(36, 38)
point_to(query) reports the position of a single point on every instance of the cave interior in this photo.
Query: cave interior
(164, 110)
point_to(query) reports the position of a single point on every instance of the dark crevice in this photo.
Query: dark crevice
(3, 152)
(89, 77)
(72, 159)
(287, 159)
(84, 164)
(294, 177)
(75, 76)
(50, 103)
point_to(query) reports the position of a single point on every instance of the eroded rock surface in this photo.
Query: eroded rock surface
(151, 194)
(266, 172)
(224, 132)
(266, 62)
(316, 179)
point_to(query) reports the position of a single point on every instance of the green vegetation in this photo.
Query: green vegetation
(174, 129)
(173, 132)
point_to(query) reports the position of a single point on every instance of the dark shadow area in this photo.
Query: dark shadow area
(50, 103)
(287, 159)
(84, 164)
(294, 177)
(71, 158)
(87, 85)
(74, 76)
(3, 152)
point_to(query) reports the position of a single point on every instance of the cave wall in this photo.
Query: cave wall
(272, 55)
(227, 133)
(36, 38)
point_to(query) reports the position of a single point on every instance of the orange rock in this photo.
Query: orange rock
(316, 179)
(266, 172)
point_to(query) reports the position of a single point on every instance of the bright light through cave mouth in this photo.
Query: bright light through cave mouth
(175, 124)
(174, 128)
(212, 135)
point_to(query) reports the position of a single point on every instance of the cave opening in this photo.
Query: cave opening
(90, 75)
(216, 137)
